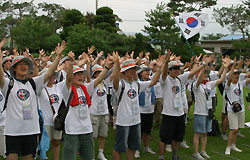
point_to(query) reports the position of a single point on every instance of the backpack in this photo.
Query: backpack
(59, 122)
(116, 101)
(215, 128)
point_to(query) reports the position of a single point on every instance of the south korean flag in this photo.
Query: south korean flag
(191, 23)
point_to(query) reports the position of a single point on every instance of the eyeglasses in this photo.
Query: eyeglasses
(175, 68)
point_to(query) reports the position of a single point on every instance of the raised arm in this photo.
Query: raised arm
(165, 66)
(230, 76)
(59, 49)
(1, 62)
(116, 73)
(108, 65)
(225, 65)
(195, 70)
(200, 77)
(69, 76)
(159, 65)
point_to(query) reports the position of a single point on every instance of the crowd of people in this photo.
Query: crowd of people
(128, 92)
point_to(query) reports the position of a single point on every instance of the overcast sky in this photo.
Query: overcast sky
(132, 12)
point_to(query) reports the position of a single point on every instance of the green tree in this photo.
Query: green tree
(30, 33)
(162, 29)
(105, 20)
(54, 12)
(213, 36)
(235, 18)
(180, 6)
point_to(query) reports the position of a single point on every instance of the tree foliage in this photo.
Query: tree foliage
(235, 18)
(213, 36)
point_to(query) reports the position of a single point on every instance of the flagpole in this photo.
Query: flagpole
(184, 37)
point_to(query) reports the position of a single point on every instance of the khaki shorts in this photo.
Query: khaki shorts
(189, 96)
(100, 125)
(53, 134)
(236, 120)
(2, 142)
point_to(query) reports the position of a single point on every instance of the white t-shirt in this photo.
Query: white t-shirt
(78, 118)
(183, 93)
(235, 93)
(22, 99)
(201, 103)
(212, 77)
(171, 94)
(99, 104)
(190, 81)
(55, 94)
(2, 115)
(148, 107)
(128, 112)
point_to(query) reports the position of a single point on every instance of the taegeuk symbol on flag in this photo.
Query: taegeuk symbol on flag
(191, 23)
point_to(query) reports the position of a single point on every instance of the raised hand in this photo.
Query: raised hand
(100, 54)
(147, 55)
(197, 59)
(161, 61)
(91, 49)
(115, 57)
(26, 53)
(247, 63)
(71, 56)
(2, 42)
(226, 62)
(132, 54)
(59, 49)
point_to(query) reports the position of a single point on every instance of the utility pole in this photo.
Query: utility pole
(96, 5)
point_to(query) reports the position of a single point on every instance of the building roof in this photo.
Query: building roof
(232, 36)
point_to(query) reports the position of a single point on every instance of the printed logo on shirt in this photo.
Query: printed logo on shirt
(131, 93)
(176, 89)
(237, 91)
(6, 76)
(23, 94)
(207, 91)
(100, 92)
(1, 98)
(54, 98)
(82, 100)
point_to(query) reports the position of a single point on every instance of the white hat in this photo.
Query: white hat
(5, 59)
(236, 70)
(175, 64)
(18, 59)
(96, 68)
(128, 64)
(63, 60)
(143, 68)
(78, 69)
(143, 60)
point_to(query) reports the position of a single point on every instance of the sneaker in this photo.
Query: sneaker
(204, 155)
(137, 154)
(149, 150)
(233, 147)
(168, 148)
(224, 136)
(176, 158)
(198, 156)
(241, 135)
(184, 144)
(101, 156)
(228, 150)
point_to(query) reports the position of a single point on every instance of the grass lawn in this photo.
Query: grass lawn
(215, 145)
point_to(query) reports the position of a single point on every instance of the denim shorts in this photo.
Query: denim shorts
(202, 124)
(128, 137)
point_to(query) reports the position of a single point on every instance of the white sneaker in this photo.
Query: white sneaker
(224, 136)
(198, 156)
(241, 135)
(233, 147)
(184, 144)
(204, 155)
(101, 156)
(137, 154)
(228, 150)
(168, 148)
(149, 150)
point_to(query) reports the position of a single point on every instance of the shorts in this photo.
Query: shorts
(2, 142)
(146, 122)
(53, 134)
(202, 124)
(128, 137)
(189, 96)
(21, 145)
(82, 144)
(100, 125)
(236, 119)
(172, 128)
